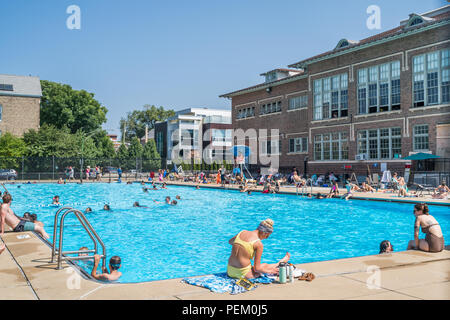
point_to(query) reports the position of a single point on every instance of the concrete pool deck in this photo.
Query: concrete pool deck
(26, 273)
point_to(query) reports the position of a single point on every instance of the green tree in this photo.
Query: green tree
(151, 157)
(63, 106)
(50, 141)
(122, 152)
(135, 121)
(135, 149)
(104, 145)
(11, 149)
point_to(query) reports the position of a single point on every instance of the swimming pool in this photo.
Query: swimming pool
(163, 242)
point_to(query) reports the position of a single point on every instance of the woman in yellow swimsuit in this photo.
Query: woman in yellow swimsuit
(246, 246)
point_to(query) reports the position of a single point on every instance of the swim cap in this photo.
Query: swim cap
(266, 226)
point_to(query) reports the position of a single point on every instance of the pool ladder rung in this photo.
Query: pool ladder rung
(62, 255)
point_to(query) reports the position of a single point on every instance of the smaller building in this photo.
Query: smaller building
(115, 141)
(191, 131)
(20, 98)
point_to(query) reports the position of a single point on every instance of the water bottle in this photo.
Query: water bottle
(291, 273)
(282, 273)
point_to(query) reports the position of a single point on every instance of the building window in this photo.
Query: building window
(298, 145)
(159, 142)
(379, 88)
(420, 133)
(246, 113)
(270, 147)
(298, 102)
(1, 112)
(385, 143)
(270, 108)
(331, 146)
(6, 87)
(431, 78)
(331, 97)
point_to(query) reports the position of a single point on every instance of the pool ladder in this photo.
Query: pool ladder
(304, 189)
(89, 229)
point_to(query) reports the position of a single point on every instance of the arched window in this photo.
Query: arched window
(342, 43)
(415, 21)
(345, 43)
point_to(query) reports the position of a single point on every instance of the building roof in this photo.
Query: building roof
(430, 18)
(282, 70)
(264, 85)
(23, 86)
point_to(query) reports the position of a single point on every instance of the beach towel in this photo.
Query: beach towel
(221, 282)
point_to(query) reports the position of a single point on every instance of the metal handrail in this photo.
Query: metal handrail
(55, 227)
(304, 188)
(89, 229)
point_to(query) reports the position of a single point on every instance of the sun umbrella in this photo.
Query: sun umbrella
(421, 156)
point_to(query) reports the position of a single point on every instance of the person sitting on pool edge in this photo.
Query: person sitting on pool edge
(386, 247)
(247, 245)
(32, 217)
(114, 265)
(434, 239)
(18, 225)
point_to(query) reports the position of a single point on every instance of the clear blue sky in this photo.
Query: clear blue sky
(177, 54)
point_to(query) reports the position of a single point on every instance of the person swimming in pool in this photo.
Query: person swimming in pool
(247, 245)
(88, 209)
(137, 205)
(386, 247)
(167, 200)
(56, 201)
(106, 207)
(173, 203)
(114, 265)
(178, 197)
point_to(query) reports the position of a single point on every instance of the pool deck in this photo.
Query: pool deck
(26, 273)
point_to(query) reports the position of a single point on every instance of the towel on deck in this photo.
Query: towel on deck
(221, 282)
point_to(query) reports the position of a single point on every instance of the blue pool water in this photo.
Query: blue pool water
(190, 239)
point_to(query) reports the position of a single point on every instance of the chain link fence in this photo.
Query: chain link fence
(54, 168)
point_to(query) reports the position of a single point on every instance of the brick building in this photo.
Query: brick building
(362, 105)
(20, 98)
